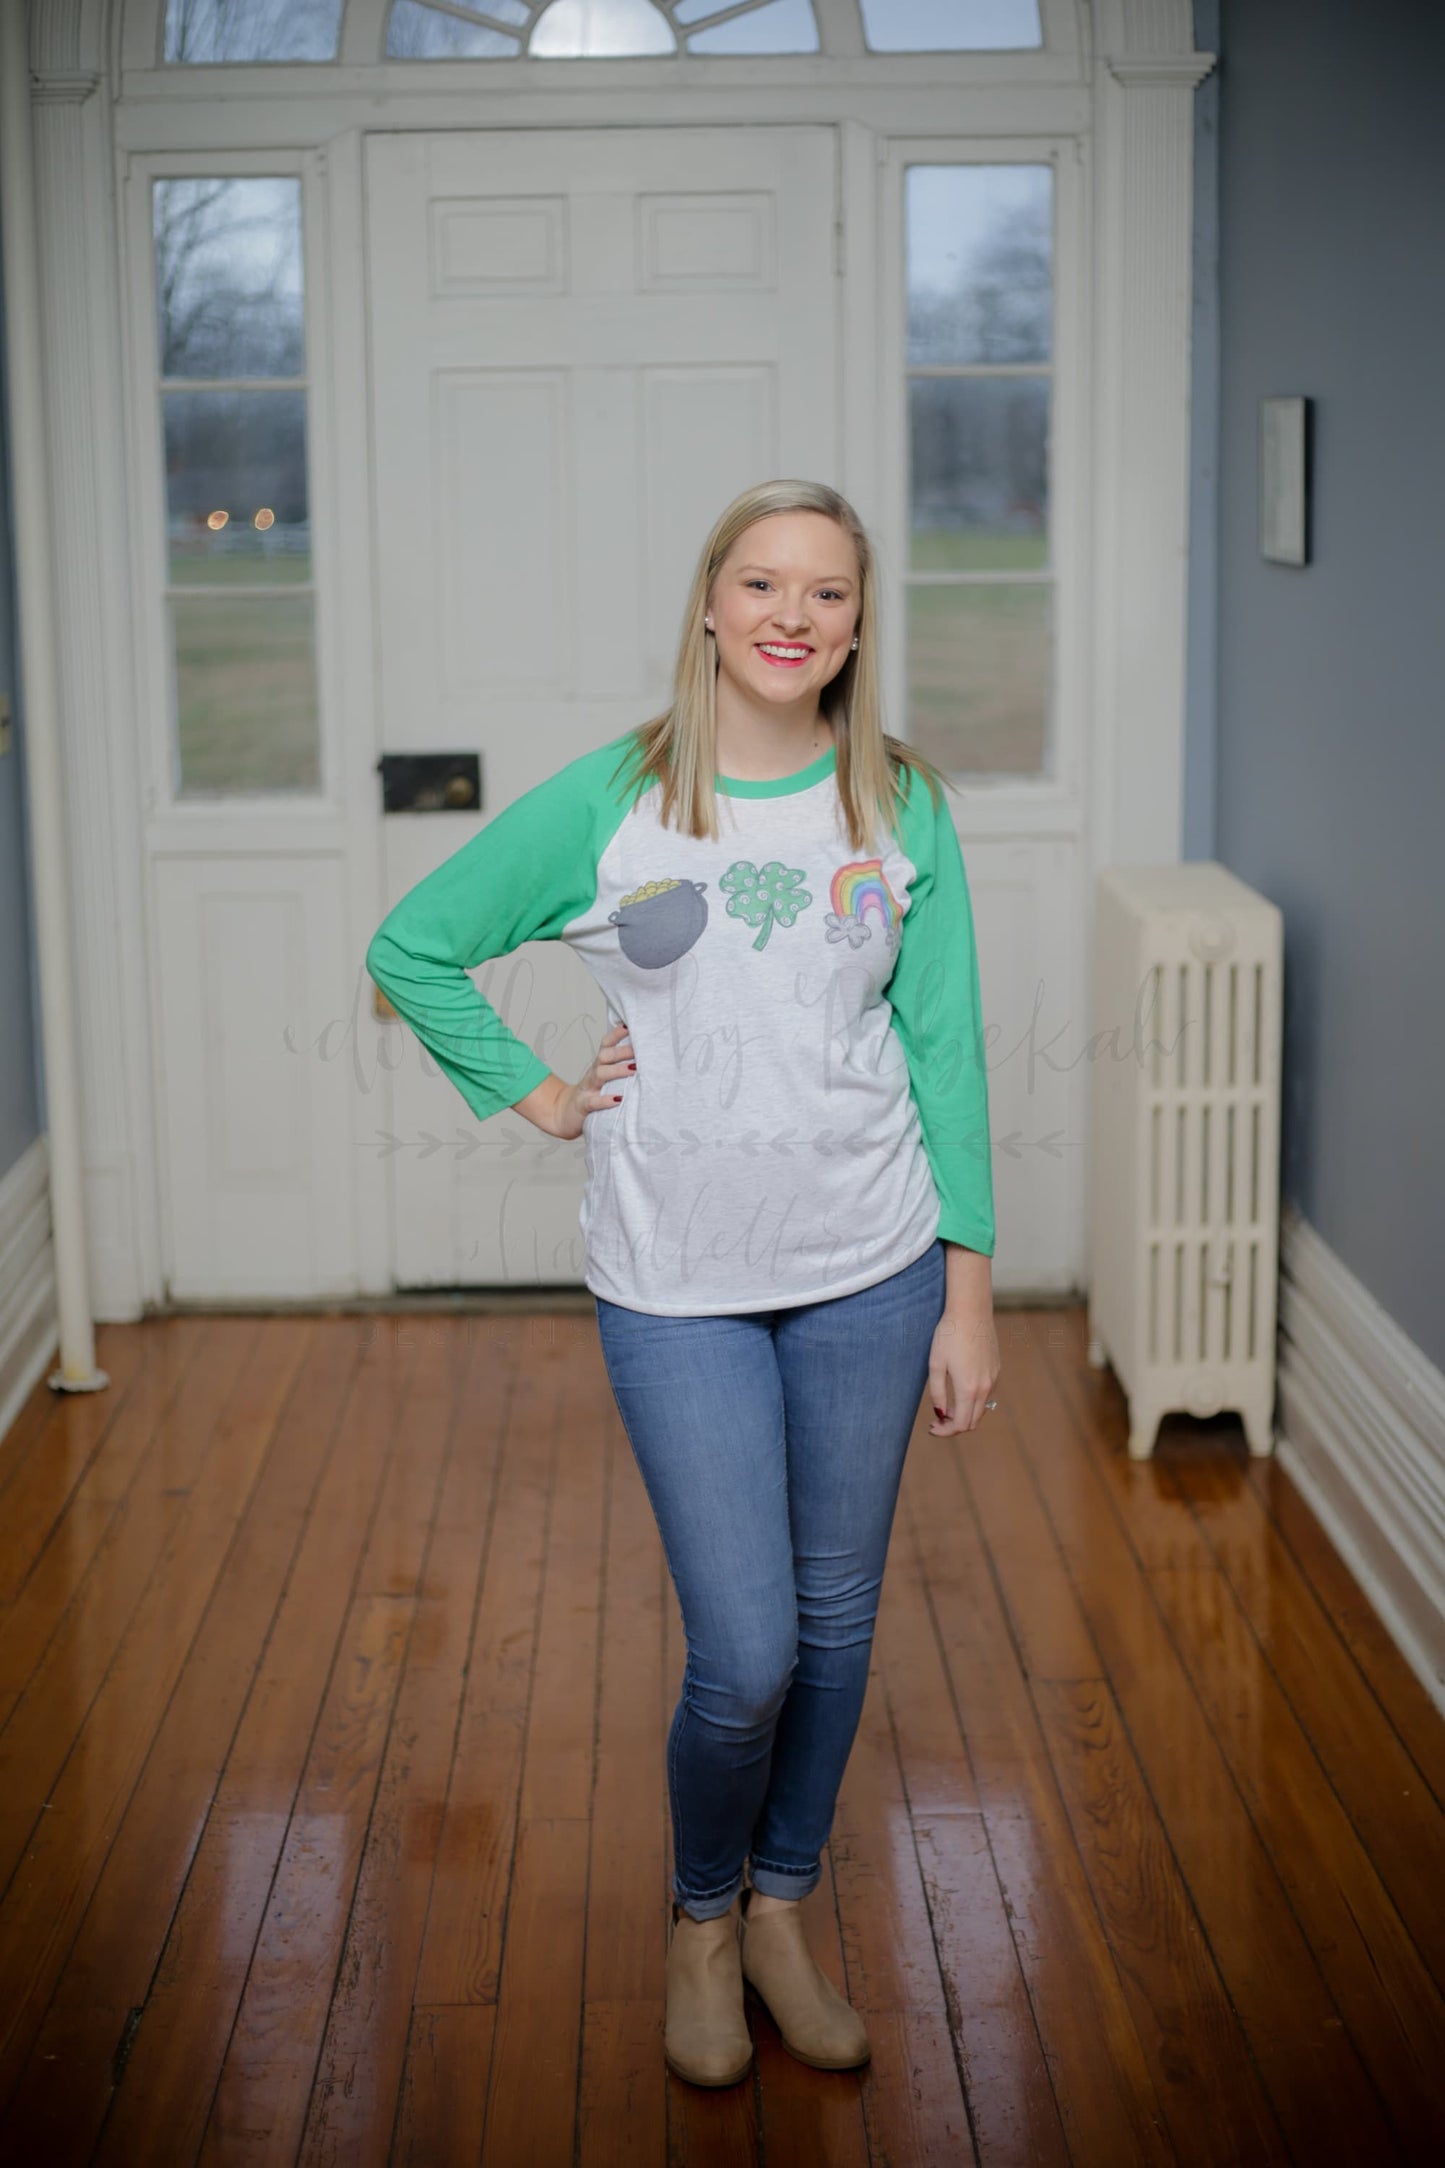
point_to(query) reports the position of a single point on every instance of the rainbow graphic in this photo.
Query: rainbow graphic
(860, 892)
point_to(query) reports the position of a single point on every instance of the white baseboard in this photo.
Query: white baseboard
(1362, 1434)
(29, 1319)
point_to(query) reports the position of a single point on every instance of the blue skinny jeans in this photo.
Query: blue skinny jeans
(771, 1446)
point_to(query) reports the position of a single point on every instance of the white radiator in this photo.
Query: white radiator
(1184, 1177)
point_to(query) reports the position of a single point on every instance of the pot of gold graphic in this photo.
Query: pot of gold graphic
(659, 922)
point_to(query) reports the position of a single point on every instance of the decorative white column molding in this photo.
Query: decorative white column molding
(1172, 71)
(80, 327)
(68, 87)
(59, 1266)
(70, 35)
(1144, 82)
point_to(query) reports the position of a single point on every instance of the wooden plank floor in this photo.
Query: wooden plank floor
(336, 1658)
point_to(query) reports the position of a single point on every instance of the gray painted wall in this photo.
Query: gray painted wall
(1329, 778)
(20, 1089)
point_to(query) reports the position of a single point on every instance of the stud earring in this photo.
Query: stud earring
(855, 643)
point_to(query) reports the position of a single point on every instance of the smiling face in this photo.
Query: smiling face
(784, 606)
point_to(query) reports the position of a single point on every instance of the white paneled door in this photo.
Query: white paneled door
(584, 343)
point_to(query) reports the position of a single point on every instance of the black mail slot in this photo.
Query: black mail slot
(430, 782)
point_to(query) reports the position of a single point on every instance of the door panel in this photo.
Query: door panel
(583, 344)
(255, 1115)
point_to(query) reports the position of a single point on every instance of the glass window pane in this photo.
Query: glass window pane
(978, 473)
(980, 262)
(950, 26)
(601, 30)
(980, 668)
(783, 26)
(236, 504)
(414, 32)
(228, 277)
(207, 30)
(245, 690)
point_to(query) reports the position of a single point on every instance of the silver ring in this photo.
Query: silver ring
(990, 1404)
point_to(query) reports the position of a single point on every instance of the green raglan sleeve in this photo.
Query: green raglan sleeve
(523, 877)
(937, 1014)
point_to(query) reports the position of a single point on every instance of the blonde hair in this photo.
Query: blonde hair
(678, 748)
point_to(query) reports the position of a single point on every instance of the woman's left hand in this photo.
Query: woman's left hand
(963, 1364)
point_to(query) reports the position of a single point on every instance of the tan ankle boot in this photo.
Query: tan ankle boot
(706, 2039)
(817, 2025)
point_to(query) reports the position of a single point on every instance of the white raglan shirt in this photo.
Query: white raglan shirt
(794, 1129)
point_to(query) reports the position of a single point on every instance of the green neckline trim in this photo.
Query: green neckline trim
(736, 786)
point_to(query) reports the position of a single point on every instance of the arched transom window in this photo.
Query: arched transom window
(206, 32)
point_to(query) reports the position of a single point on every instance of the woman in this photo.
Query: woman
(788, 1216)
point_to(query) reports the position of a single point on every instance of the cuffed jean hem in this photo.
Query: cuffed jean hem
(709, 1907)
(784, 1881)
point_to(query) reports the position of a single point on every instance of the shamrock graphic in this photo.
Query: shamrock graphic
(847, 926)
(764, 897)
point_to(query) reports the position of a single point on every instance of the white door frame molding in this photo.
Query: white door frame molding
(1143, 87)
(1124, 83)
(82, 345)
